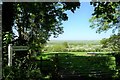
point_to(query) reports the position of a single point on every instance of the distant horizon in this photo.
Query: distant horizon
(74, 40)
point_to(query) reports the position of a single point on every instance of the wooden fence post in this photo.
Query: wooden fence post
(10, 55)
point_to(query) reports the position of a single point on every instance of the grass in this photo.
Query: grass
(82, 63)
(50, 54)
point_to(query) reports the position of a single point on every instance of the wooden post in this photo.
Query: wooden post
(10, 55)
(14, 48)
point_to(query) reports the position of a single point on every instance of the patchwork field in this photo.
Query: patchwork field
(75, 46)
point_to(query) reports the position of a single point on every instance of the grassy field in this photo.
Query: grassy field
(82, 63)
(77, 61)
(49, 54)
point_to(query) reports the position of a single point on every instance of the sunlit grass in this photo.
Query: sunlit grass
(47, 54)
(81, 62)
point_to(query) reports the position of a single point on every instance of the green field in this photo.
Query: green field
(75, 63)
(73, 58)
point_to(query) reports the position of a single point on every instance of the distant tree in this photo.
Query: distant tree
(59, 48)
(65, 44)
(113, 42)
(104, 42)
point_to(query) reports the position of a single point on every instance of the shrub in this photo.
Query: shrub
(65, 44)
(18, 72)
(59, 48)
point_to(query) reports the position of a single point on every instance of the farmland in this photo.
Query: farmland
(75, 46)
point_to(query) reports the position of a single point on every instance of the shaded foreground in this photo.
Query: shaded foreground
(67, 66)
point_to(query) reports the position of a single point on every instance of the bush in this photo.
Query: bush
(59, 48)
(56, 48)
(22, 71)
(65, 44)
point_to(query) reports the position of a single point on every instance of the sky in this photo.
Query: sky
(77, 26)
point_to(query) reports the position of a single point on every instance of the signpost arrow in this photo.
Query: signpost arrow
(14, 48)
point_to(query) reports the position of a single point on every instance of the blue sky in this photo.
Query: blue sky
(77, 26)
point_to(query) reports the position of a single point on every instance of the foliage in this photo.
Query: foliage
(22, 71)
(6, 39)
(113, 42)
(42, 20)
(65, 44)
(105, 16)
(35, 23)
(104, 42)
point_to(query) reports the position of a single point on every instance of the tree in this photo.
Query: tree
(40, 20)
(105, 16)
(113, 42)
(35, 23)
(65, 44)
(104, 42)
